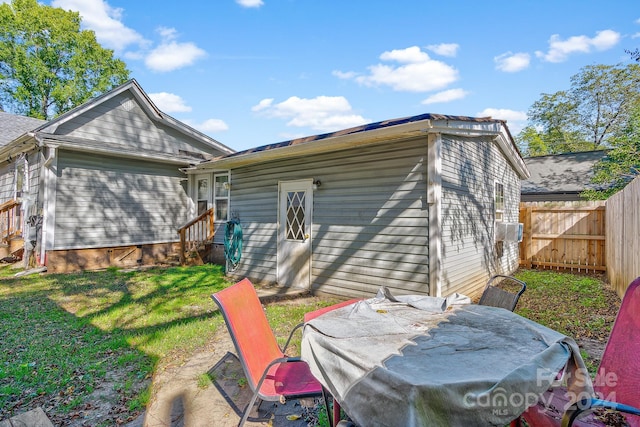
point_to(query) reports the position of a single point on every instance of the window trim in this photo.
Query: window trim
(498, 201)
(24, 163)
(226, 197)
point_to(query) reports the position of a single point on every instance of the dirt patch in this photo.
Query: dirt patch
(105, 406)
(181, 396)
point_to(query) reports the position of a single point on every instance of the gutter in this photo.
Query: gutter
(496, 130)
(333, 143)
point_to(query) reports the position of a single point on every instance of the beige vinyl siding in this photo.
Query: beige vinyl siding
(369, 218)
(103, 201)
(470, 167)
(121, 121)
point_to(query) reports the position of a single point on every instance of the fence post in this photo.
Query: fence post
(526, 236)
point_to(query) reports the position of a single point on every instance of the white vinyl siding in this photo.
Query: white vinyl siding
(103, 201)
(470, 168)
(370, 218)
(120, 121)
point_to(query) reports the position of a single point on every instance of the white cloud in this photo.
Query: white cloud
(559, 50)
(512, 62)
(263, 105)
(250, 3)
(171, 55)
(322, 113)
(445, 96)
(516, 120)
(208, 126)
(344, 75)
(445, 49)
(105, 21)
(169, 102)
(417, 72)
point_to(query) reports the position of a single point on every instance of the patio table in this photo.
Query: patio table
(416, 360)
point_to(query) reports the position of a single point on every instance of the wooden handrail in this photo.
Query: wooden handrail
(9, 204)
(196, 231)
(196, 219)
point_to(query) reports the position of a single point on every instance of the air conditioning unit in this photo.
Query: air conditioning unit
(509, 231)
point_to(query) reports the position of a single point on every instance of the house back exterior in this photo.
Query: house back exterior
(410, 204)
(102, 184)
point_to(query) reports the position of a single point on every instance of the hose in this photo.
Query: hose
(233, 242)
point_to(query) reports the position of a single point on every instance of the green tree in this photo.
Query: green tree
(586, 116)
(48, 65)
(622, 162)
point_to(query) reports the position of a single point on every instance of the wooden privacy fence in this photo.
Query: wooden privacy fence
(623, 237)
(567, 235)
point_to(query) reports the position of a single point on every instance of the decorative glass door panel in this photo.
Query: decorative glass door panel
(295, 216)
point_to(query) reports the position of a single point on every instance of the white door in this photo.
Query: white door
(294, 233)
(203, 193)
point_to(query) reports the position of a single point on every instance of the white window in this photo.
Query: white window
(21, 177)
(499, 201)
(221, 196)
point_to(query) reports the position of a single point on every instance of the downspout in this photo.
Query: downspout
(434, 201)
(48, 180)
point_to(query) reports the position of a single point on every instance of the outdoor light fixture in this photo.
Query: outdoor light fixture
(316, 184)
(226, 185)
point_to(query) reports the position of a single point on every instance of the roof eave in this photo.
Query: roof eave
(316, 147)
(122, 153)
(23, 143)
(468, 128)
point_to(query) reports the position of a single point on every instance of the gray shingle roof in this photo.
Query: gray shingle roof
(13, 126)
(365, 128)
(561, 173)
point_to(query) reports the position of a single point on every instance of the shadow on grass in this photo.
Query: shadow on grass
(65, 336)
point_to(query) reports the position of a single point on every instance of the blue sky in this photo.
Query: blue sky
(254, 72)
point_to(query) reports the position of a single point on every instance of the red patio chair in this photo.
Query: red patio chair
(617, 381)
(270, 374)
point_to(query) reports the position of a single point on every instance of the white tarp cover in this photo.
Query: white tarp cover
(425, 361)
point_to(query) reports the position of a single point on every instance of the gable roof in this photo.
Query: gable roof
(567, 173)
(145, 103)
(386, 130)
(37, 130)
(12, 126)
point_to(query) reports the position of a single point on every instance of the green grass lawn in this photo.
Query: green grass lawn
(61, 335)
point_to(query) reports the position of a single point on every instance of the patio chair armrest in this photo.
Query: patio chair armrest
(275, 362)
(589, 404)
(298, 326)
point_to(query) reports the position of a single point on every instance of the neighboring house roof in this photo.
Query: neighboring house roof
(12, 126)
(386, 130)
(563, 175)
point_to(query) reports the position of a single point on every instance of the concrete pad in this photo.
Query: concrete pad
(33, 418)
